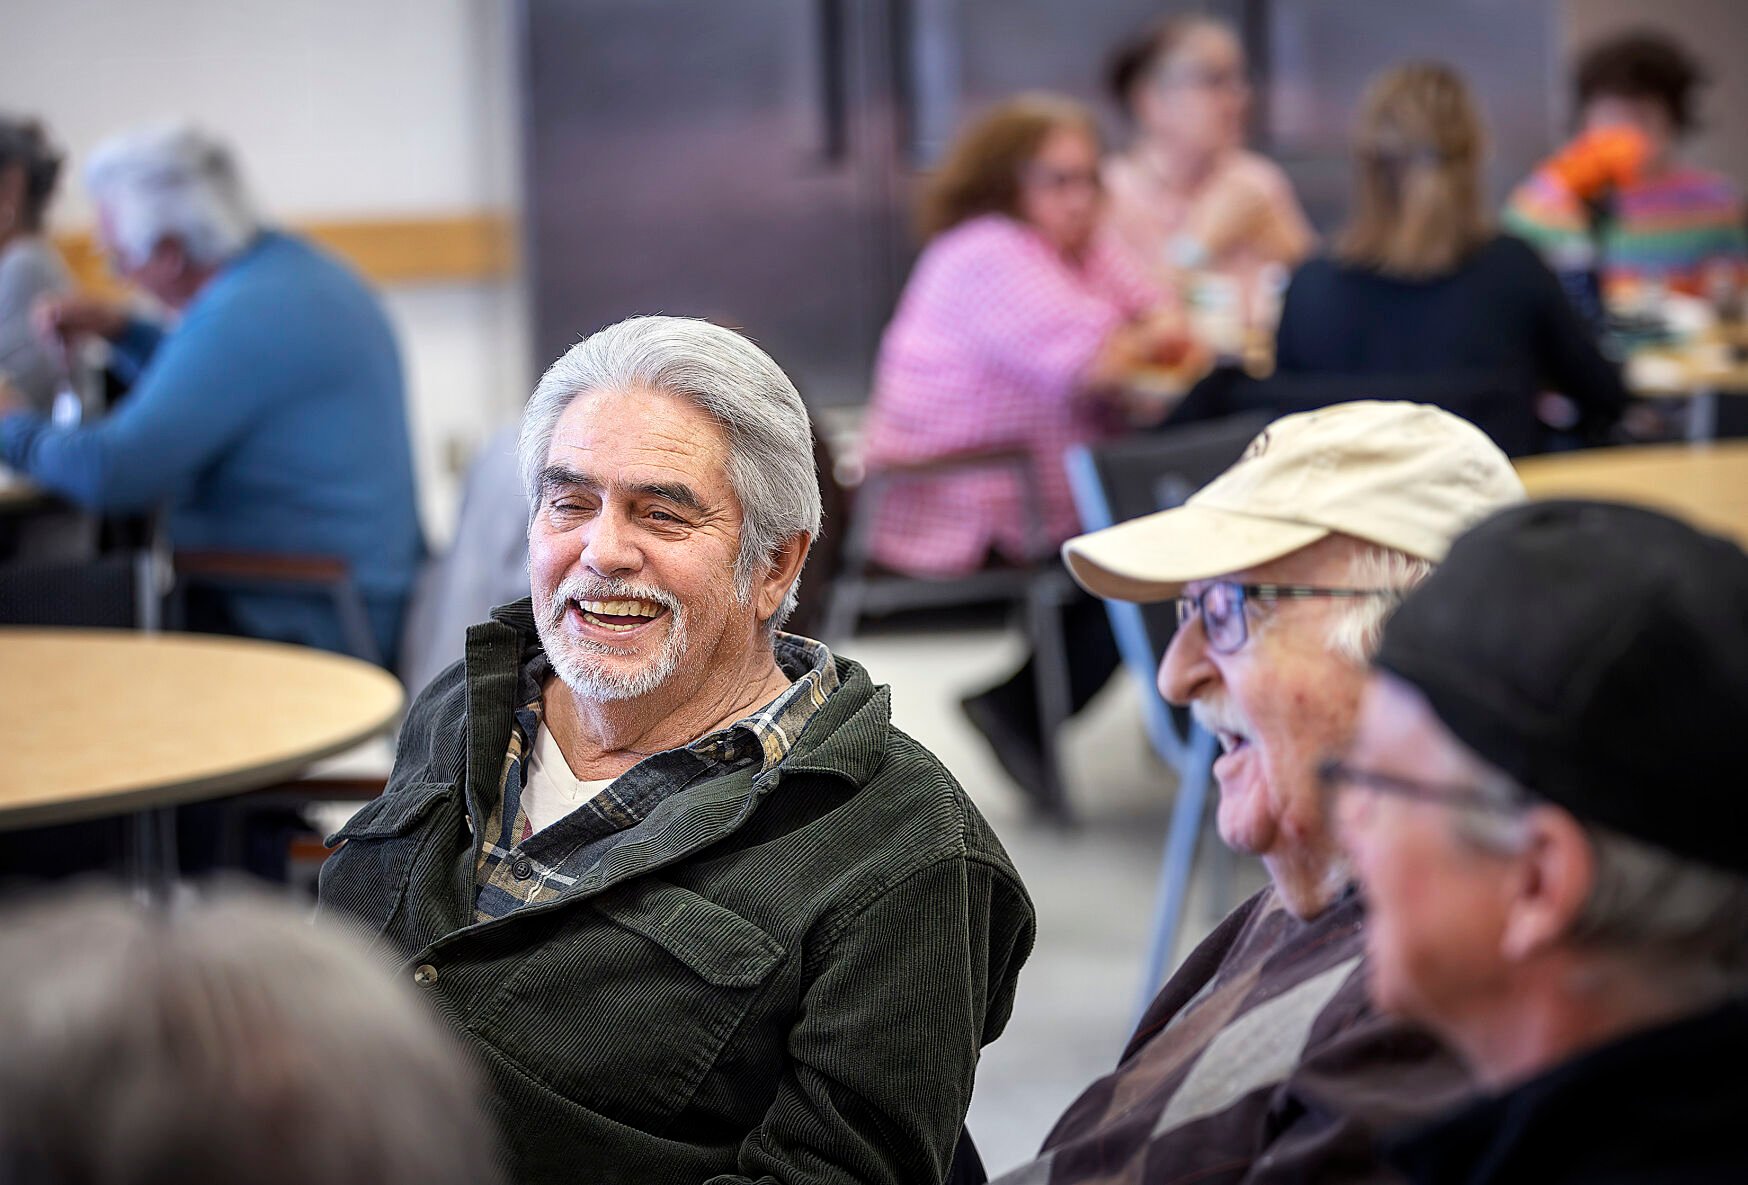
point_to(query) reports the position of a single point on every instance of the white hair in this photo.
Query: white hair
(1357, 628)
(171, 181)
(770, 438)
(1685, 920)
(221, 1041)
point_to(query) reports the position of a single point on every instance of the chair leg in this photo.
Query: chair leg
(1050, 655)
(1187, 819)
(151, 860)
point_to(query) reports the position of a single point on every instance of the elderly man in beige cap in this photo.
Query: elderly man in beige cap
(1261, 1060)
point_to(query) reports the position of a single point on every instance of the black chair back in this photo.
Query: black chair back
(111, 592)
(1501, 406)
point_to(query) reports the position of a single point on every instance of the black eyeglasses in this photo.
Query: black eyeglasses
(1221, 607)
(1333, 774)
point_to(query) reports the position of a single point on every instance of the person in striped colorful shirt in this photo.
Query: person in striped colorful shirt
(1649, 218)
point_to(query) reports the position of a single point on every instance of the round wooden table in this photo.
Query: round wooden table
(1705, 484)
(107, 722)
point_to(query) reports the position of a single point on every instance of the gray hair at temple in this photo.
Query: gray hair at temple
(770, 438)
(219, 1041)
(171, 181)
(1685, 922)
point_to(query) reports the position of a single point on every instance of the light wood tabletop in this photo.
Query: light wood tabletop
(1686, 370)
(17, 490)
(105, 722)
(1705, 484)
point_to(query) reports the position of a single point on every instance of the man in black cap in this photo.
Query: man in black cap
(1545, 804)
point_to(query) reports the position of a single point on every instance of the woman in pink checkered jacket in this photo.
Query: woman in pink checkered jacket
(1016, 329)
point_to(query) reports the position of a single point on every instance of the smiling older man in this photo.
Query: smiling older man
(702, 912)
(1544, 805)
(1261, 1059)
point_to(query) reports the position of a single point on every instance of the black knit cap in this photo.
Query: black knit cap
(1598, 654)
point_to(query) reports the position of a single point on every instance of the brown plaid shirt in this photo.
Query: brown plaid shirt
(519, 866)
(1261, 1062)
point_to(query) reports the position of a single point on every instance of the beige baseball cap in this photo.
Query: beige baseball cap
(1403, 475)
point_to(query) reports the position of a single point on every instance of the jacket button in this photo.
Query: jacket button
(424, 973)
(522, 869)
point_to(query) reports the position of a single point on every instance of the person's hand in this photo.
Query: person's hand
(1232, 210)
(1601, 160)
(1237, 209)
(1129, 348)
(1161, 339)
(67, 319)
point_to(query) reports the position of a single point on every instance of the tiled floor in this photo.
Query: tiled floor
(1092, 886)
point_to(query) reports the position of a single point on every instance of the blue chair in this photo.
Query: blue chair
(1113, 483)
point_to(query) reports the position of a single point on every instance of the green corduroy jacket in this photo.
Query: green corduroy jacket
(785, 979)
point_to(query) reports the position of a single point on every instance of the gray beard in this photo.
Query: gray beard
(579, 662)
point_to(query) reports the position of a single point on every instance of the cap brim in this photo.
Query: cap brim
(1152, 558)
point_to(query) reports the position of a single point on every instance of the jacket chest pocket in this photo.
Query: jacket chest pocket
(629, 1003)
(367, 879)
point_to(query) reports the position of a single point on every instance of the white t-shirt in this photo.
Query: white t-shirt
(549, 790)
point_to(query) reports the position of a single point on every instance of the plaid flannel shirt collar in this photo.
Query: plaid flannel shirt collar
(517, 866)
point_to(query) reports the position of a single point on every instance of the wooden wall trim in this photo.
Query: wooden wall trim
(474, 247)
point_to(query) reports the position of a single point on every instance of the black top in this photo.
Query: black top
(1501, 317)
(1661, 1107)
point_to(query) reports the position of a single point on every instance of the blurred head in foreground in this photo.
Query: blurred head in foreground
(1543, 800)
(225, 1040)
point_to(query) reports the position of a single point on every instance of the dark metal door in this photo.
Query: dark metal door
(725, 160)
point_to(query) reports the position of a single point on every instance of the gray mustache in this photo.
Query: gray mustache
(609, 590)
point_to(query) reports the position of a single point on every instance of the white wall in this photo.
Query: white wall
(337, 109)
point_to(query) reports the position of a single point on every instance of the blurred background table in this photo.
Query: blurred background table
(1705, 484)
(97, 723)
(1696, 368)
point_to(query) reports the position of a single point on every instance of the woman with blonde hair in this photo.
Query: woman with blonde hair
(1422, 297)
(1016, 330)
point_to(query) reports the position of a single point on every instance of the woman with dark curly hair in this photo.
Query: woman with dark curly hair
(30, 267)
(1622, 185)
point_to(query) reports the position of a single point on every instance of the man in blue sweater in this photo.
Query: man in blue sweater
(270, 418)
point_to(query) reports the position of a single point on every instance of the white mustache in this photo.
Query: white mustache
(579, 588)
(1218, 715)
